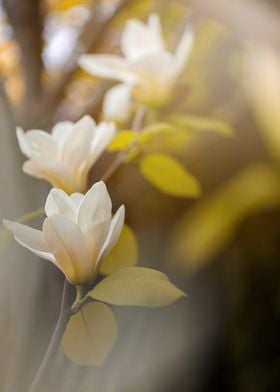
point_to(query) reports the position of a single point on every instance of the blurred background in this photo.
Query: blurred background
(222, 248)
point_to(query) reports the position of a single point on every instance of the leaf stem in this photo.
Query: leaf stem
(64, 316)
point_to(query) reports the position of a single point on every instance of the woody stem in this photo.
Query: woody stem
(122, 155)
(64, 316)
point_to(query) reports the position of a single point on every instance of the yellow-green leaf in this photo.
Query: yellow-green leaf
(124, 254)
(155, 129)
(90, 334)
(263, 74)
(163, 137)
(207, 228)
(137, 286)
(197, 123)
(122, 140)
(169, 176)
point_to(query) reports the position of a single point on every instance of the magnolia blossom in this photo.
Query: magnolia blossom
(65, 157)
(147, 67)
(78, 233)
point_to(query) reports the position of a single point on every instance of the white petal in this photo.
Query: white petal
(140, 39)
(103, 135)
(117, 102)
(94, 217)
(77, 146)
(66, 242)
(107, 66)
(58, 202)
(23, 142)
(77, 199)
(31, 239)
(42, 144)
(114, 232)
(61, 131)
(57, 175)
(183, 51)
(153, 65)
(31, 168)
(154, 24)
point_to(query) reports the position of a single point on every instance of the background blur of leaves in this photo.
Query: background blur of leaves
(222, 248)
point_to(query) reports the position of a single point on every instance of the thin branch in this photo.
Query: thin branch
(122, 156)
(64, 316)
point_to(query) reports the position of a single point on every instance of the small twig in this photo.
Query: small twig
(121, 157)
(139, 118)
(64, 316)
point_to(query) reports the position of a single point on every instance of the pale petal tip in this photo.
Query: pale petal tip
(19, 131)
(7, 224)
(98, 190)
(11, 225)
(87, 120)
(122, 209)
(21, 139)
(100, 184)
(154, 17)
(85, 62)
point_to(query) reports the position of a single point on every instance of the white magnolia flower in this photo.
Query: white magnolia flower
(147, 66)
(65, 157)
(78, 233)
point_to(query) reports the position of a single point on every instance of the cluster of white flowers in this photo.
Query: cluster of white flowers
(79, 230)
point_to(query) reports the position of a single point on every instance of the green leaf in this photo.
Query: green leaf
(122, 140)
(90, 334)
(137, 286)
(197, 123)
(124, 254)
(169, 176)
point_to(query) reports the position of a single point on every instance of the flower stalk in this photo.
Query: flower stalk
(64, 316)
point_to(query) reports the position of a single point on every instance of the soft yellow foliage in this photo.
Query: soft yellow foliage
(122, 140)
(124, 254)
(169, 176)
(209, 74)
(155, 129)
(137, 286)
(90, 334)
(262, 82)
(196, 123)
(156, 137)
(167, 140)
(209, 226)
